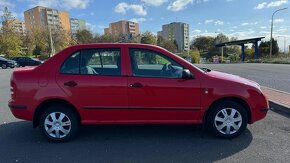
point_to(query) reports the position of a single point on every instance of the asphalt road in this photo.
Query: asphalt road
(275, 76)
(265, 141)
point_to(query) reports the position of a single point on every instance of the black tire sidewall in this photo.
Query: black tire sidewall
(218, 107)
(4, 66)
(68, 112)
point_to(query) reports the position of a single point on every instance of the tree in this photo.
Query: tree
(28, 42)
(203, 43)
(148, 38)
(264, 48)
(249, 52)
(193, 54)
(84, 37)
(105, 38)
(166, 44)
(10, 40)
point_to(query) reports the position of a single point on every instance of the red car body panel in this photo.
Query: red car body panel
(110, 100)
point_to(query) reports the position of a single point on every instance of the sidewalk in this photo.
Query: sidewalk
(279, 100)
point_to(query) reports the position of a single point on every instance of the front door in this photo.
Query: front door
(156, 91)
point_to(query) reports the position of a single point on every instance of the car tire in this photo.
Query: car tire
(59, 123)
(4, 66)
(227, 119)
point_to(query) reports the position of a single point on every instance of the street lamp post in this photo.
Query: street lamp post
(271, 39)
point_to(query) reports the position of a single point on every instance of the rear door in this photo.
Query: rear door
(156, 91)
(93, 79)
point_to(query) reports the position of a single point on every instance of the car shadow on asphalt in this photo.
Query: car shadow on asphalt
(119, 143)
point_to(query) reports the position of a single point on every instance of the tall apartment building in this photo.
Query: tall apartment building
(122, 28)
(178, 32)
(76, 25)
(42, 17)
(18, 25)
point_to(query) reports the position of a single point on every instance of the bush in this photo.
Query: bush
(43, 57)
(272, 60)
(194, 55)
(233, 58)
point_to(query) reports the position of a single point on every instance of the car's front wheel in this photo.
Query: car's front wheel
(227, 119)
(59, 124)
(4, 66)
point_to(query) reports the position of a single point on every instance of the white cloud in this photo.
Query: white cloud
(271, 4)
(179, 5)
(279, 20)
(277, 3)
(263, 27)
(91, 27)
(64, 4)
(6, 3)
(82, 4)
(138, 20)
(261, 5)
(124, 7)
(245, 24)
(208, 21)
(154, 2)
(218, 22)
(197, 31)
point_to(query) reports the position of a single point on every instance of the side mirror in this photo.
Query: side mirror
(186, 74)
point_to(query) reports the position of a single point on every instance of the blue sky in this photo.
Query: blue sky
(235, 18)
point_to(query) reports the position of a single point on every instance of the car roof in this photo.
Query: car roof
(133, 45)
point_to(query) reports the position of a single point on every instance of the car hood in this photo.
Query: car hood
(11, 61)
(233, 78)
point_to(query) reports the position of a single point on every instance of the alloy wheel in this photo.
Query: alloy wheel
(57, 125)
(228, 121)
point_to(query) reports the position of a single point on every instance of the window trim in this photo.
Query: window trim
(119, 49)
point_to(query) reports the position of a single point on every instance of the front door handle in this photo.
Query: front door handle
(136, 85)
(70, 84)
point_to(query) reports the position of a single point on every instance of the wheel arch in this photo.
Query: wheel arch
(235, 99)
(49, 102)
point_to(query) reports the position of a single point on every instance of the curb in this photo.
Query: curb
(278, 107)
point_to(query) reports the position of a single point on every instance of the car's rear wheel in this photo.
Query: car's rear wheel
(4, 66)
(227, 119)
(59, 123)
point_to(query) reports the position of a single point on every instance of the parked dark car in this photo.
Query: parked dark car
(27, 61)
(7, 63)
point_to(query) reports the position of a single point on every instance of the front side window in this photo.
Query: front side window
(105, 62)
(146, 63)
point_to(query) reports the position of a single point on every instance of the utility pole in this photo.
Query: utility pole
(271, 38)
(51, 42)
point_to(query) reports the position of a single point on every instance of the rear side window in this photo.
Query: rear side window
(106, 62)
(71, 65)
(102, 61)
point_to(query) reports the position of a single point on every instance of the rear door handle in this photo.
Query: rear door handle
(70, 84)
(136, 85)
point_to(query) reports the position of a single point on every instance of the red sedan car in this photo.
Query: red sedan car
(131, 84)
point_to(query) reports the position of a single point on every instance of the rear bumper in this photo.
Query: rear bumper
(21, 111)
